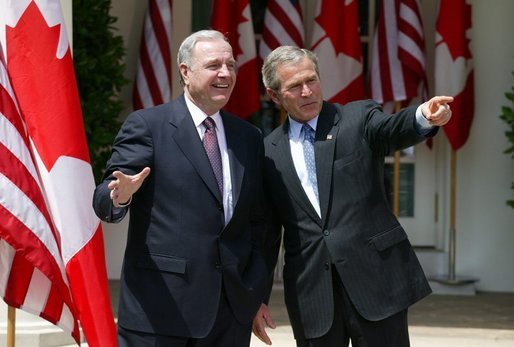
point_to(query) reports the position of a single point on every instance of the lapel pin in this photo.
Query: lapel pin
(329, 137)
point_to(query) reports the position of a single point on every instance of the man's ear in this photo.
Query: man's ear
(273, 95)
(184, 73)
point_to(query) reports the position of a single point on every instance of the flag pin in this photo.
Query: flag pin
(329, 137)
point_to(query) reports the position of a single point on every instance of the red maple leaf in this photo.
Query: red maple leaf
(340, 21)
(46, 88)
(226, 18)
(453, 22)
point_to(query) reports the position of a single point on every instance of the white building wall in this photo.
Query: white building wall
(484, 223)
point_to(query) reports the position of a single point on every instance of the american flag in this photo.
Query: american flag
(29, 243)
(336, 41)
(234, 19)
(153, 78)
(398, 62)
(283, 25)
(52, 260)
(454, 67)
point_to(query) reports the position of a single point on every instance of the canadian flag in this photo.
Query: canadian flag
(454, 67)
(337, 44)
(234, 19)
(51, 243)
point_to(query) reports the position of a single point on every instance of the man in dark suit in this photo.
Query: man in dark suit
(350, 272)
(193, 273)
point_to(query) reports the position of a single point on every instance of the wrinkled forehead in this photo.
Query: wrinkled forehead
(212, 50)
(304, 68)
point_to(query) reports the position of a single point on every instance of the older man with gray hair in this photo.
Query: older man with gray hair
(191, 175)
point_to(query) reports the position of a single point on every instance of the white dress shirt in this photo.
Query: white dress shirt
(296, 145)
(198, 118)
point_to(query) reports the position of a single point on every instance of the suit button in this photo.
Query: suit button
(217, 265)
(327, 266)
(220, 207)
(326, 232)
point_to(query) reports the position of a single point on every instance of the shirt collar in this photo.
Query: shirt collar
(296, 127)
(199, 116)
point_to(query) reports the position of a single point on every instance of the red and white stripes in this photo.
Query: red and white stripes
(283, 25)
(32, 273)
(53, 261)
(398, 64)
(153, 79)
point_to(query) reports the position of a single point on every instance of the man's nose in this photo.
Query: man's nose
(306, 90)
(224, 70)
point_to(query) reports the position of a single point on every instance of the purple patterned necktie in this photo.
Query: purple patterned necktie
(210, 143)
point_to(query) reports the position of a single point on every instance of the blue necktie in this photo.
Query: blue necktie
(210, 143)
(308, 153)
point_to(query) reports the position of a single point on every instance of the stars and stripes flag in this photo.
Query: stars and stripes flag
(398, 67)
(52, 260)
(234, 19)
(336, 42)
(153, 77)
(283, 26)
(454, 67)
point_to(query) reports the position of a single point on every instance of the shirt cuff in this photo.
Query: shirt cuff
(117, 213)
(422, 126)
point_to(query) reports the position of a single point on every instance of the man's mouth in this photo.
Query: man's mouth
(220, 85)
(309, 104)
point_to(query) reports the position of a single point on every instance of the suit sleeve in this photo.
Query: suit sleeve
(387, 133)
(132, 151)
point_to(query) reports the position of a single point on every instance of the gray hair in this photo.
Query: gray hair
(284, 55)
(185, 51)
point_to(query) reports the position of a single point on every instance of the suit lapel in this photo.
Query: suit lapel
(324, 147)
(186, 137)
(285, 165)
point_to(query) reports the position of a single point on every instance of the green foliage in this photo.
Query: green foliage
(98, 58)
(508, 116)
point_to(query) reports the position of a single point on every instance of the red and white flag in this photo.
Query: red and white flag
(51, 243)
(454, 67)
(153, 77)
(336, 42)
(283, 26)
(234, 19)
(398, 67)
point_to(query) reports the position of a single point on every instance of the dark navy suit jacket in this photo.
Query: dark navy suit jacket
(357, 231)
(179, 253)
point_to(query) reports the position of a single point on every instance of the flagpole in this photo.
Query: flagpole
(453, 230)
(11, 326)
(452, 278)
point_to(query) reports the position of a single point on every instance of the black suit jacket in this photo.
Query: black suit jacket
(179, 254)
(357, 232)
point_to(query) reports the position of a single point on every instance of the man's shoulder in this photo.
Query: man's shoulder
(356, 104)
(275, 135)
